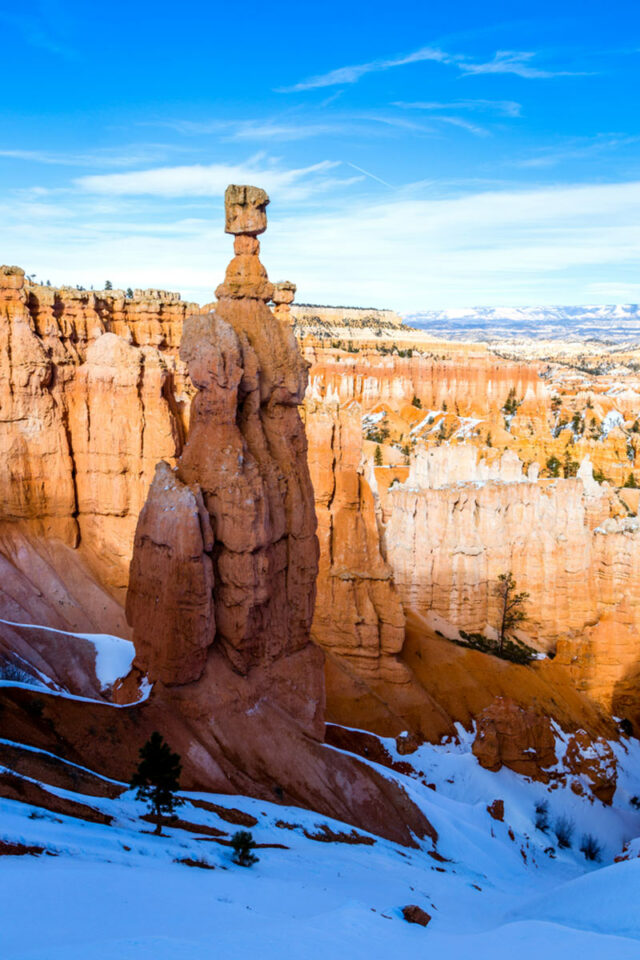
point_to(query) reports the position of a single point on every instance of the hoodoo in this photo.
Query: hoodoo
(242, 527)
(222, 582)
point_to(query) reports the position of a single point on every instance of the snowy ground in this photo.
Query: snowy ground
(117, 892)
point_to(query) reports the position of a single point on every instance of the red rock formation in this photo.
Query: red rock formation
(225, 559)
(36, 471)
(523, 739)
(517, 737)
(358, 614)
(85, 415)
(283, 296)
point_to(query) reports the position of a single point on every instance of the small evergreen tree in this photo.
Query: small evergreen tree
(129, 293)
(631, 482)
(511, 605)
(569, 465)
(417, 402)
(577, 423)
(377, 456)
(108, 285)
(553, 466)
(243, 846)
(511, 404)
(158, 778)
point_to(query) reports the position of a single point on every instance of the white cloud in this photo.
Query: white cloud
(564, 244)
(464, 125)
(353, 73)
(516, 62)
(504, 61)
(125, 156)
(576, 149)
(506, 108)
(211, 180)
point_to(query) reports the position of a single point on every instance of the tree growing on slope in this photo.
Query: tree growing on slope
(510, 606)
(158, 778)
(243, 846)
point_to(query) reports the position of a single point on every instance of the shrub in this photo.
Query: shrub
(626, 727)
(563, 829)
(417, 402)
(542, 816)
(514, 650)
(590, 847)
(243, 846)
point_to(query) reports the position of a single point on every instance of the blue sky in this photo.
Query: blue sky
(417, 155)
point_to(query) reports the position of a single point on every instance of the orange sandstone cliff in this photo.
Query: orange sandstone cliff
(222, 584)
(430, 469)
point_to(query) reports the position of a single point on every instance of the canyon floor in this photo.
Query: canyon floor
(494, 887)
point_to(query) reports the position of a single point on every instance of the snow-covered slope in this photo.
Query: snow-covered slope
(619, 323)
(493, 888)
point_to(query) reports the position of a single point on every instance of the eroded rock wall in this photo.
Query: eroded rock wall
(358, 612)
(85, 413)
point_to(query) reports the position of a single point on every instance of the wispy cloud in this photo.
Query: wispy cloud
(563, 244)
(296, 126)
(505, 108)
(124, 156)
(198, 180)
(576, 150)
(353, 73)
(464, 125)
(515, 62)
(277, 130)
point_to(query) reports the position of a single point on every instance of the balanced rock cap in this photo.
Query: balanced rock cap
(245, 210)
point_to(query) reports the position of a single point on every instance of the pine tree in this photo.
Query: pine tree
(108, 285)
(158, 778)
(377, 456)
(243, 845)
(511, 605)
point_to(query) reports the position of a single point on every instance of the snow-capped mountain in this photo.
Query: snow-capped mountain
(613, 323)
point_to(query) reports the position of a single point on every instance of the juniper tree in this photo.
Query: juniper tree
(511, 604)
(158, 778)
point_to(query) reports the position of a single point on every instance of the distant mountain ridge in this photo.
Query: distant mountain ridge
(610, 323)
